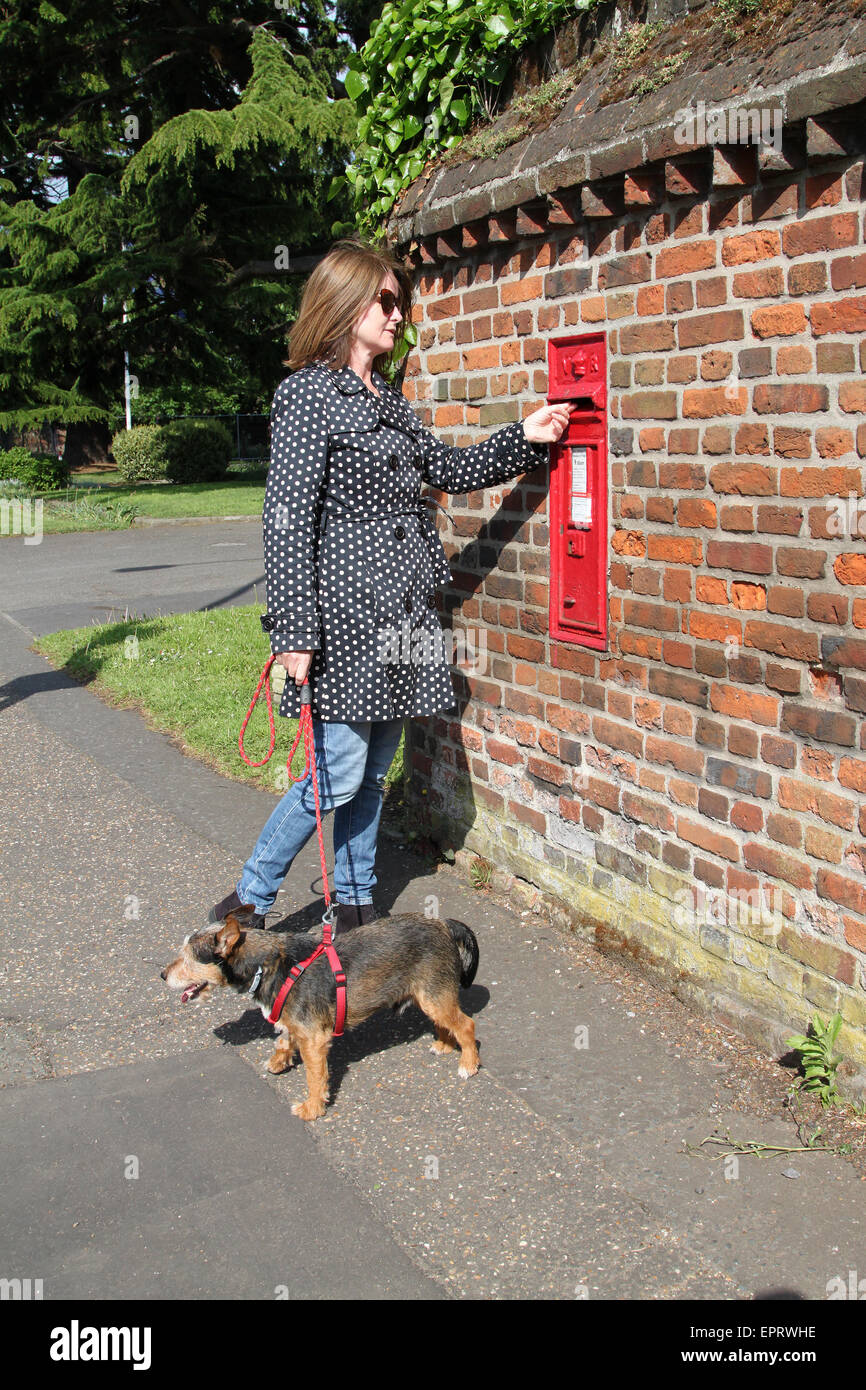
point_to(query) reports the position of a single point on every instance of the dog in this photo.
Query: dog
(395, 961)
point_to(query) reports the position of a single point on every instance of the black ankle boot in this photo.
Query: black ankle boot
(351, 915)
(245, 911)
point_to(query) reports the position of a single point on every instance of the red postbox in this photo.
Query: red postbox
(577, 373)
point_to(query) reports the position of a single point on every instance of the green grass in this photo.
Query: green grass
(101, 479)
(230, 497)
(94, 506)
(98, 512)
(192, 675)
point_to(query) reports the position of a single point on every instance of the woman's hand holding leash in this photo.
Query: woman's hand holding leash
(297, 664)
(548, 423)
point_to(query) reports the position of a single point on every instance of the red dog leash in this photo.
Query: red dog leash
(305, 728)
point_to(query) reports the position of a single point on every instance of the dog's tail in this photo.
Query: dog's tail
(467, 949)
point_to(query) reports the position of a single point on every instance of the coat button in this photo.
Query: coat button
(431, 600)
(399, 533)
(407, 603)
(393, 461)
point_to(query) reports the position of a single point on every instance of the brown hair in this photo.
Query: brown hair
(337, 292)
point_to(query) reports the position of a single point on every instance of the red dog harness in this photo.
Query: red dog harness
(327, 948)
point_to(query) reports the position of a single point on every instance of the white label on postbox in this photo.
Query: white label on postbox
(581, 506)
(578, 470)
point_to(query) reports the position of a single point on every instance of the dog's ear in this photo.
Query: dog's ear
(229, 937)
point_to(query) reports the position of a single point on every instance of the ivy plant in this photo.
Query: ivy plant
(427, 71)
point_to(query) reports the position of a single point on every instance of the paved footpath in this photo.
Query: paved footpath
(149, 1156)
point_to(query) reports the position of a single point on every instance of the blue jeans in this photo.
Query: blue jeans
(351, 763)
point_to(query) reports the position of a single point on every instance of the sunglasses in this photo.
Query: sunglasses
(388, 301)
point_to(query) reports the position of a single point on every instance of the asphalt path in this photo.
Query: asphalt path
(99, 576)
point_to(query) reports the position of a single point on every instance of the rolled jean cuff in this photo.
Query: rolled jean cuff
(250, 901)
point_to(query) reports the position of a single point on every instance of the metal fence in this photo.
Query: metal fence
(249, 432)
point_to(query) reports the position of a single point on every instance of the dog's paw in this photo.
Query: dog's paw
(440, 1048)
(279, 1062)
(467, 1071)
(308, 1110)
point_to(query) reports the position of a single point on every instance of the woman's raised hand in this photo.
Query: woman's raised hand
(548, 423)
(297, 664)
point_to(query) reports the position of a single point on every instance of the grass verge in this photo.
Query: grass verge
(229, 497)
(192, 675)
(104, 508)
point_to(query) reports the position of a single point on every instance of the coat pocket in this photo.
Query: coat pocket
(438, 558)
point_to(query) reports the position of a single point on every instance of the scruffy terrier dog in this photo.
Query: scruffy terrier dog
(406, 958)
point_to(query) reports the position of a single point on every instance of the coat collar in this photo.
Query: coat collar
(350, 383)
(391, 408)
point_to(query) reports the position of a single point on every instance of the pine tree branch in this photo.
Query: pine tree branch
(298, 265)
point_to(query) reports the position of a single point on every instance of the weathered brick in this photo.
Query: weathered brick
(753, 246)
(703, 403)
(824, 725)
(745, 704)
(839, 316)
(649, 405)
(784, 641)
(625, 270)
(721, 327)
(820, 234)
(684, 260)
(778, 320)
(647, 337)
(802, 398)
(570, 280)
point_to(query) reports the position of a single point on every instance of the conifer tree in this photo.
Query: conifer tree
(164, 170)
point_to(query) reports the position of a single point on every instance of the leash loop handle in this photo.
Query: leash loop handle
(263, 679)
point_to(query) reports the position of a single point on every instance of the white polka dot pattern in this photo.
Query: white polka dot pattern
(352, 558)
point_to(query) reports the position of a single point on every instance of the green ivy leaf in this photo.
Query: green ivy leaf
(355, 83)
(418, 54)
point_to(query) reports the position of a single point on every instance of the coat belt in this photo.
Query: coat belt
(416, 510)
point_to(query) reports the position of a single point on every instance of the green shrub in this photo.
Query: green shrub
(196, 451)
(139, 453)
(36, 472)
(12, 461)
(48, 474)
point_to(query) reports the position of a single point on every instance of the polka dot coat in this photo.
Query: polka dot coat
(352, 556)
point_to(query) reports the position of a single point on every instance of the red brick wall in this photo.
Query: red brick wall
(720, 744)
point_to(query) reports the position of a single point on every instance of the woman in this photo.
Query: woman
(353, 561)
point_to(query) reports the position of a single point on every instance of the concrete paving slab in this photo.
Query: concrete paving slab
(178, 1180)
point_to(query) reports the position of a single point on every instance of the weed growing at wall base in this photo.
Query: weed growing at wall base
(817, 1059)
